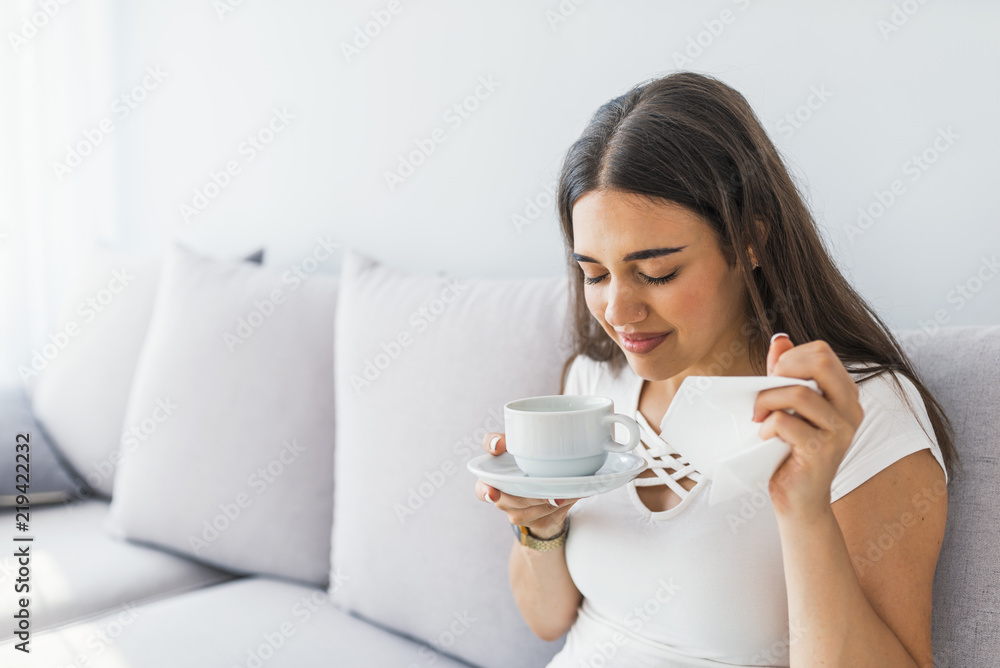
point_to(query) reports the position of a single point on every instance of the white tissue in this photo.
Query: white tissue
(710, 423)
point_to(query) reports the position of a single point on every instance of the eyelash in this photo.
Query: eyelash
(648, 279)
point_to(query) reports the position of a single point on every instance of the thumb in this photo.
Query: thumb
(780, 344)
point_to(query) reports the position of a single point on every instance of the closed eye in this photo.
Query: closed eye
(651, 280)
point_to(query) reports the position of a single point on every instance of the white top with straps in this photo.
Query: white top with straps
(700, 585)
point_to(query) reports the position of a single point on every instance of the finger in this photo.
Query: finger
(817, 361)
(780, 343)
(495, 443)
(804, 439)
(541, 513)
(520, 510)
(493, 495)
(803, 400)
(487, 493)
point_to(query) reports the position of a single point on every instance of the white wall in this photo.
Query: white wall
(890, 94)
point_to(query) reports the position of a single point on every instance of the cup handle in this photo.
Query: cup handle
(633, 430)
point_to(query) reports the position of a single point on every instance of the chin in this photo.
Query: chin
(650, 368)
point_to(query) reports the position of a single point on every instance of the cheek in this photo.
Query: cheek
(595, 303)
(681, 302)
(696, 306)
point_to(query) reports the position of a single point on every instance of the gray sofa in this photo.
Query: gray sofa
(426, 584)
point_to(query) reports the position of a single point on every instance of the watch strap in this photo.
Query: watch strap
(525, 538)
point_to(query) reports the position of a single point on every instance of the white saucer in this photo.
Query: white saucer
(501, 472)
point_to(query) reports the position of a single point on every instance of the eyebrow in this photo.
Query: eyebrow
(637, 255)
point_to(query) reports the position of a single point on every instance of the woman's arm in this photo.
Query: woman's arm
(860, 576)
(859, 573)
(543, 589)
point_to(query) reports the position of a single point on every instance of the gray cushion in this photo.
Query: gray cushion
(81, 393)
(423, 368)
(961, 368)
(249, 622)
(47, 479)
(237, 471)
(78, 570)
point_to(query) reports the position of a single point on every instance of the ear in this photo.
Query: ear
(760, 240)
(762, 230)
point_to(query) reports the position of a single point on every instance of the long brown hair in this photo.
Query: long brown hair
(691, 139)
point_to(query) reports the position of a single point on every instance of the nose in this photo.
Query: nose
(624, 305)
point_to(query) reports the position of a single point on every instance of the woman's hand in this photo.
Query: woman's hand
(543, 517)
(819, 433)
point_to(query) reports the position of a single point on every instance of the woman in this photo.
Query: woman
(689, 248)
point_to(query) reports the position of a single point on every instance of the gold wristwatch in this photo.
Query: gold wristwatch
(525, 538)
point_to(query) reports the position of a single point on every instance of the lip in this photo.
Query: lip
(641, 336)
(642, 342)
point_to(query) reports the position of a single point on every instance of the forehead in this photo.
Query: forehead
(613, 219)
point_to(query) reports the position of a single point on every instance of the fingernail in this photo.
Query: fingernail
(554, 502)
(486, 495)
(777, 335)
(493, 443)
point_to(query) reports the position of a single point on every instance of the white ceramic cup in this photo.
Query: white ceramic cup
(564, 434)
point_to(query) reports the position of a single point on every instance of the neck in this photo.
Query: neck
(730, 357)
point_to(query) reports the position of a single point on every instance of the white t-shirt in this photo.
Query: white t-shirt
(700, 585)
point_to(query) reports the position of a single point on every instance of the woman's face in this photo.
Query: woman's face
(625, 244)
